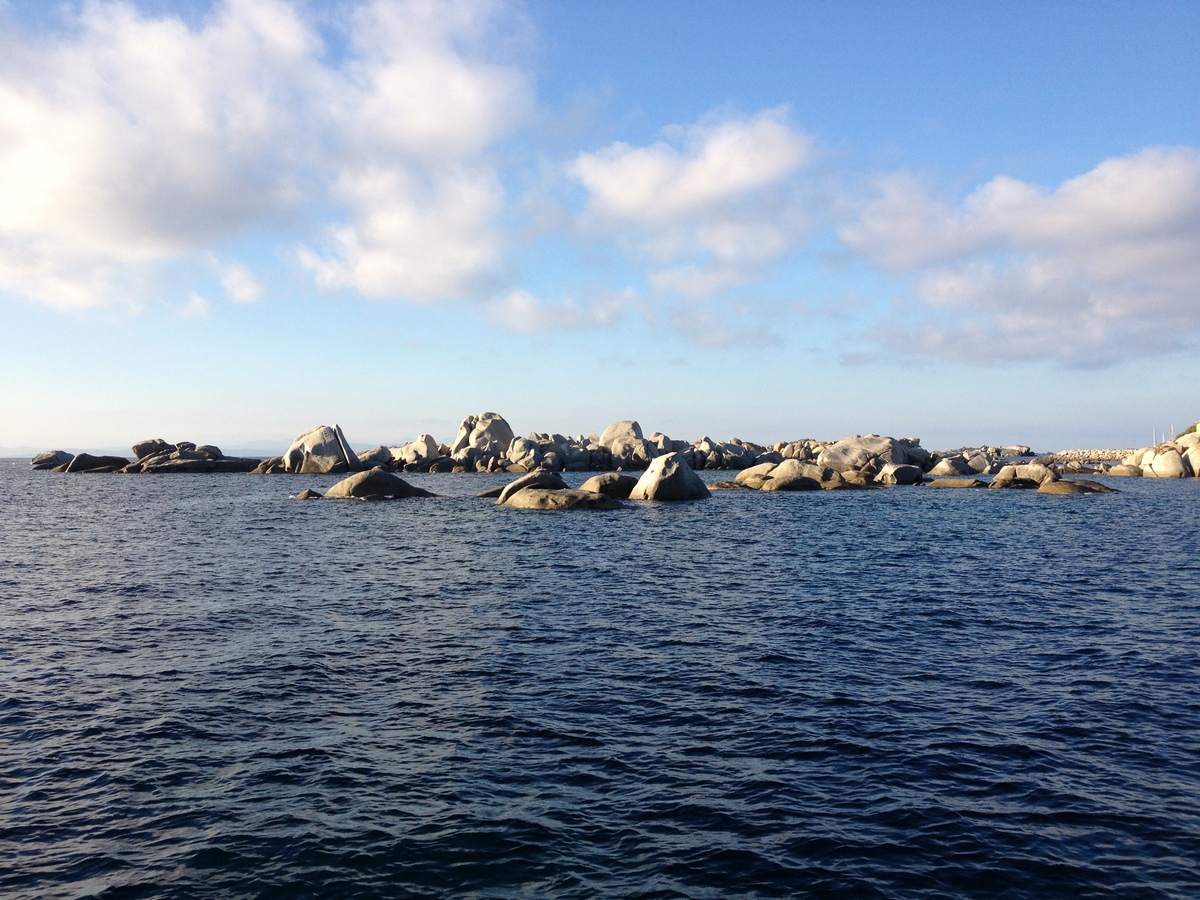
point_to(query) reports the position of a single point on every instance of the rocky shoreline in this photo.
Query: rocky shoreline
(486, 443)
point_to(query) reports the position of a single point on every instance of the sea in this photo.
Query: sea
(208, 689)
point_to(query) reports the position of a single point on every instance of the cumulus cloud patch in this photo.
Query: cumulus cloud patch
(705, 209)
(137, 140)
(130, 141)
(418, 108)
(1101, 268)
(240, 284)
(523, 311)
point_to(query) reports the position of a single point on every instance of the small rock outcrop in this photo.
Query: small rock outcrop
(374, 484)
(1026, 475)
(542, 478)
(543, 498)
(669, 478)
(51, 459)
(613, 484)
(957, 483)
(1074, 486)
(899, 473)
(628, 448)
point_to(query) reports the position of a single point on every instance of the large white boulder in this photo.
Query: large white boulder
(899, 473)
(624, 441)
(669, 477)
(322, 450)
(953, 465)
(525, 452)
(1165, 463)
(486, 432)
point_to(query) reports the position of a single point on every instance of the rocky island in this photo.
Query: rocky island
(486, 443)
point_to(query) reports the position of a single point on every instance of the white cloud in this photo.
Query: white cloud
(704, 213)
(137, 140)
(240, 284)
(418, 109)
(719, 163)
(128, 142)
(412, 238)
(523, 311)
(1103, 267)
(197, 307)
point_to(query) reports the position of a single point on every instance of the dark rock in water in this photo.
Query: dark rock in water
(85, 462)
(550, 481)
(306, 494)
(51, 458)
(271, 466)
(152, 447)
(542, 498)
(1074, 486)
(613, 484)
(374, 484)
(491, 493)
(729, 486)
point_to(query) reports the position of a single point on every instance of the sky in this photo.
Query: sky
(229, 222)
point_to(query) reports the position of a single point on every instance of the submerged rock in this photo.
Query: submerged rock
(306, 494)
(542, 478)
(957, 483)
(543, 498)
(375, 484)
(1074, 486)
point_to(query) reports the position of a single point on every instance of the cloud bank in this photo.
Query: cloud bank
(1101, 268)
(370, 149)
(130, 141)
(705, 209)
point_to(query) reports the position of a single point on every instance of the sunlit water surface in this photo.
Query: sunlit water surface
(211, 690)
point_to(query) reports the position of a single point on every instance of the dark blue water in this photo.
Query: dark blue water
(210, 690)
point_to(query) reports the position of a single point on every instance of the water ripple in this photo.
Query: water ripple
(212, 690)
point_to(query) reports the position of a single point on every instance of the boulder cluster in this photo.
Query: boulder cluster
(149, 457)
(1179, 458)
(487, 443)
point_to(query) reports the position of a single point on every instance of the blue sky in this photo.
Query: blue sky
(229, 222)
